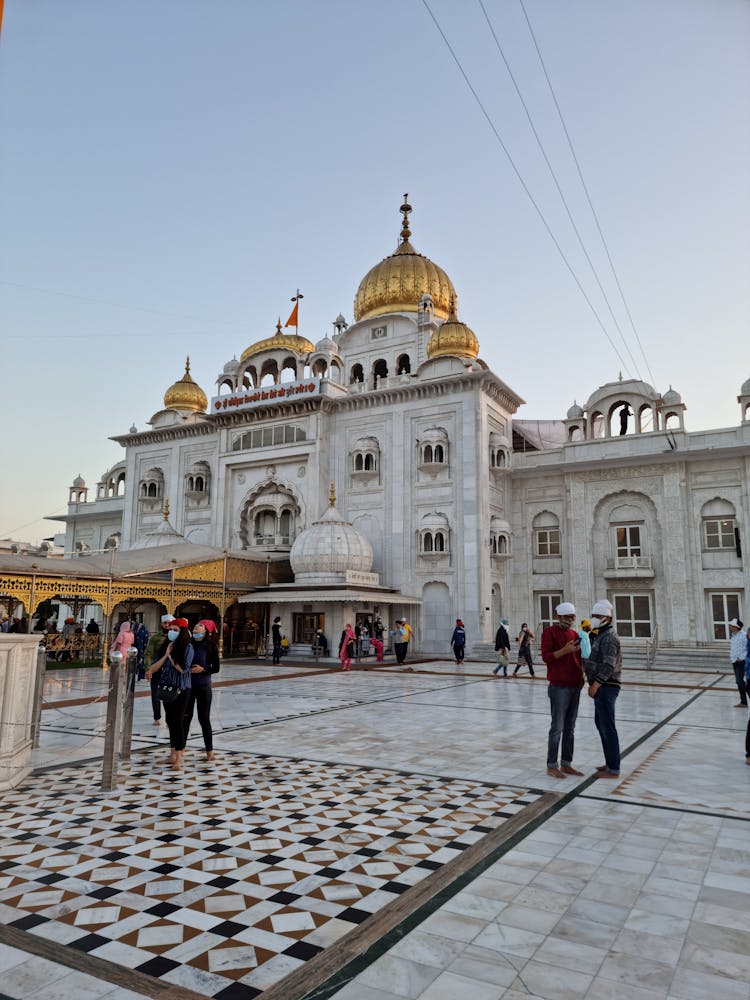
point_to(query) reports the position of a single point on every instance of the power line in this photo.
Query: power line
(523, 184)
(586, 191)
(117, 305)
(543, 151)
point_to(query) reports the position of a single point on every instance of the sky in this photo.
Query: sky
(172, 171)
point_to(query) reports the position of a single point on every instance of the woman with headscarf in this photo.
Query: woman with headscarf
(205, 663)
(123, 640)
(177, 651)
(346, 647)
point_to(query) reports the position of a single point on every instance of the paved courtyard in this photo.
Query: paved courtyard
(380, 835)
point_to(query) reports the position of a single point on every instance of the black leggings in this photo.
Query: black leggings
(524, 655)
(200, 695)
(174, 713)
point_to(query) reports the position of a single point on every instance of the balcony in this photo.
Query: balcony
(629, 568)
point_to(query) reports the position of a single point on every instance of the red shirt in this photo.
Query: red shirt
(567, 669)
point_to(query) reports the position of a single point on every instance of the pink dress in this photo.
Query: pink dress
(348, 638)
(123, 641)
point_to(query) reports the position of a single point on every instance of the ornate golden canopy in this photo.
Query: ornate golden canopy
(279, 342)
(397, 283)
(186, 394)
(453, 338)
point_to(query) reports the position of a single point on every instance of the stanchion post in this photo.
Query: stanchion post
(36, 721)
(112, 731)
(128, 700)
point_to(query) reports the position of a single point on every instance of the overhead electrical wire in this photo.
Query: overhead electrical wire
(525, 187)
(586, 191)
(118, 305)
(564, 200)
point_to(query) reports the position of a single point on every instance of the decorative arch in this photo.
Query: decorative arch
(269, 517)
(436, 616)
(356, 374)
(433, 448)
(434, 535)
(403, 365)
(151, 486)
(379, 371)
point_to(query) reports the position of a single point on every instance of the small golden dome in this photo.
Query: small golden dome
(453, 338)
(186, 394)
(398, 282)
(279, 342)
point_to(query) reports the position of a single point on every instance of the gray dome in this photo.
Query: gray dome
(329, 548)
(79, 481)
(745, 390)
(671, 397)
(231, 366)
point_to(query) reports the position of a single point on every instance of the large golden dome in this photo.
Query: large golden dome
(279, 342)
(186, 394)
(397, 283)
(453, 338)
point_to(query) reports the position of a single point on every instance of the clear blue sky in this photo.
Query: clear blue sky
(172, 170)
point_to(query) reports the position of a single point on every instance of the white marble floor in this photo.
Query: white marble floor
(637, 889)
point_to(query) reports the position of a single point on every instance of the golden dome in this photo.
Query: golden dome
(453, 338)
(186, 394)
(279, 342)
(397, 283)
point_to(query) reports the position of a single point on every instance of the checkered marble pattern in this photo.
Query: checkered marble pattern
(227, 876)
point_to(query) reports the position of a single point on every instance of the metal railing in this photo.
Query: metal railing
(652, 646)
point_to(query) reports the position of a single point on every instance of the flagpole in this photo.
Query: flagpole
(295, 299)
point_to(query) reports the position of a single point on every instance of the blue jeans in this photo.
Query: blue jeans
(604, 718)
(563, 702)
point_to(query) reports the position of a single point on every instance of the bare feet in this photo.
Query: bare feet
(210, 755)
(555, 772)
(176, 764)
(606, 774)
(571, 770)
(157, 722)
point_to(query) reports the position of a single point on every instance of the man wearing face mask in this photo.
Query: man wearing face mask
(155, 642)
(603, 671)
(561, 651)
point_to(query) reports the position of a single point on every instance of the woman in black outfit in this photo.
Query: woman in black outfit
(205, 663)
(178, 648)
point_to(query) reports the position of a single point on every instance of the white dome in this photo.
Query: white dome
(327, 346)
(79, 481)
(231, 366)
(745, 390)
(575, 412)
(671, 397)
(328, 549)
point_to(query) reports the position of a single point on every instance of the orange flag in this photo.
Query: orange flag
(294, 318)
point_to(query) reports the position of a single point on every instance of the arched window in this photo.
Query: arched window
(357, 374)
(365, 456)
(403, 365)
(269, 517)
(499, 451)
(546, 527)
(499, 537)
(433, 449)
(379, 371)
(718, 525)
(434, 534)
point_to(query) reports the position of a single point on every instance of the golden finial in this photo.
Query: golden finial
(187, 365)
(452, 308)
(405, 209)
(332, 495)
(166, 510)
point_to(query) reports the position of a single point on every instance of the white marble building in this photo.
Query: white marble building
(467, 511)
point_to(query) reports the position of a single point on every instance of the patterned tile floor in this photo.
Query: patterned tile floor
(224, 879)
(229, 875)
